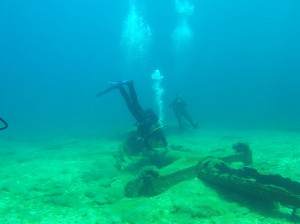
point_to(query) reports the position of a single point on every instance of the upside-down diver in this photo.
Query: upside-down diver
(149, 139)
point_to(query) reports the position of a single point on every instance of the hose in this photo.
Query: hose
(5, 124)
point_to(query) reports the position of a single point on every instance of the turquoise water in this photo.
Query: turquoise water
(236, 64)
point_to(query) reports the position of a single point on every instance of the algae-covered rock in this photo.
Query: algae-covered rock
(116, 191)
(16, 188)
(141, 214)
(192, 198)
(100, 199)
(8, 186)
(105, 183)
(65, 200)
(92, 175)
(52, 187)
(99, 174)
(90, 194)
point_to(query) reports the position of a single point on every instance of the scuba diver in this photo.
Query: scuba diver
(149, 139)
(4, 123)
(179, 108)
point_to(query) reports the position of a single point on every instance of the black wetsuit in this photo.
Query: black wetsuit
(179, 108)
(147, 121)
(132, 103)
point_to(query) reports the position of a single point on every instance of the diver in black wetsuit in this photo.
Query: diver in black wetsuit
(149, 131)
(4, 123)
(148, 145)
(179, 108)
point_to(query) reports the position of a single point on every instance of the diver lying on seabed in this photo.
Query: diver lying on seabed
(147, 145)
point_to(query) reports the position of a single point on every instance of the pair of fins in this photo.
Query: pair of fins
(114, 86)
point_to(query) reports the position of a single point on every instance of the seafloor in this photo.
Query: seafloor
(73, 180)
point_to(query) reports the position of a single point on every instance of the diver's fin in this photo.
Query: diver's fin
(107, 90)
(123, 82)
(114, 85)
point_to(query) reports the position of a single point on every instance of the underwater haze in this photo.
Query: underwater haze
(74, 152)
(236, 63)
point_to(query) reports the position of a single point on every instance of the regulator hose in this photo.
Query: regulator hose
(5, 124)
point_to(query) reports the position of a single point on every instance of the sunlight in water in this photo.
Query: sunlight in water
(137, 35)
(182, 35)
(184, 7)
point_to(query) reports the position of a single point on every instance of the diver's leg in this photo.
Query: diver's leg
(132, 91)
(187, 116)
(179, 120)
(131, 104)
(140, 113)
(125, 95)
